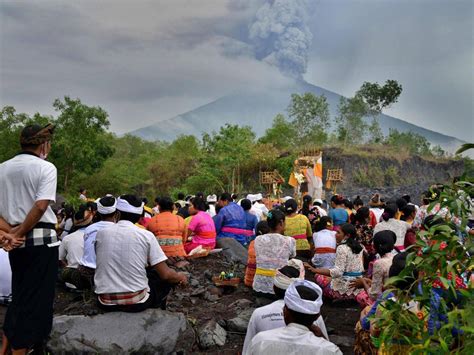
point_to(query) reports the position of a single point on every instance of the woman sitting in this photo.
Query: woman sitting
(335, 281)
(262, 228)
(169, 229)
(389, 222)
(324, 244)
(298, 227)
(201, 228)
(383, 242)
(338, 212)
(272, 251)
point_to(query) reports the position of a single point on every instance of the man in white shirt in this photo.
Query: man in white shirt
(107, 215)
(27, 188)
(211, 201)
(271, 316)
(131, 273)
(318, 203)
(71, 249)
(303, 300)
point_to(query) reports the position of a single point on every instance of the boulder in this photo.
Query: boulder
(233, 250)
(149, 332)
(240, 323)
(211, 335)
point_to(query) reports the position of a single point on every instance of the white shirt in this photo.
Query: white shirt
(24, 180)
(83, 197)
(377, 212)
(123, 252)
(90, 233)
(256, 212)
(261, 207)
(293, 339)
(322, 211)
(67, 227)
(72, 248)
(270, 317)
(212, 210)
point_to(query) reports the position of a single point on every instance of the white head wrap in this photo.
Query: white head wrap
(286, 198)
(252, 198)
(282, 281)
(212, 198)
(294, 302)
(297, 264)
(106, 209)
(124, 206)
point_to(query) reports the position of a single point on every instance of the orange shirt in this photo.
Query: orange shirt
(170, 230)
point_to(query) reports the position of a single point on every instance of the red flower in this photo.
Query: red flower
(443, 246)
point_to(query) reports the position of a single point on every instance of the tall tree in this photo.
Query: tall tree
(82, 142)
(310, 114)
(379, 97)
(282, 134)
(351, 127)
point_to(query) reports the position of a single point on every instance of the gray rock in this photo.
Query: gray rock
(212, 334)
(340, 340)
(233, 250)
(150, 332)
(243, 303)
(240, 323)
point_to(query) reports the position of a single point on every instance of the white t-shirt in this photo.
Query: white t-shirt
(90, 234)
(270, 317)
(67, 227)
(123, 252)
(72, 248)
(24, 180)
(292, 339)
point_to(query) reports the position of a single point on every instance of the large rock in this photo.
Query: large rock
(233, 250)
(150, 332)
(211, 335)
(240, 323)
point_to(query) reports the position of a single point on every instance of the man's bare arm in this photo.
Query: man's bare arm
(33, 217)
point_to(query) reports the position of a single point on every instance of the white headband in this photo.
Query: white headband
(124, 206)
(106, 209)
(294, 302)
(282, 281)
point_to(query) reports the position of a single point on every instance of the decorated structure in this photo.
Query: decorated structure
(307, 175)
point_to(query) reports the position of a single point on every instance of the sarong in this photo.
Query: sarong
(29, 317)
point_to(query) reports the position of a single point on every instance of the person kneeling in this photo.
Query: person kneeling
(123, 280)
(303, 300)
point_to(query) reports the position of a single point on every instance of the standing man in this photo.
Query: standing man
(27, 188)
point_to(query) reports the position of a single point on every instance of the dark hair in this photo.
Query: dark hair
(322, 223)
(91, 206)
(225, 196)
(384, 242)
(200, 195)
(166, 204)
(407, 198)
(401, 203)
(274, 218)
(107, 201)
(337, 199)
(280, 208)
(291, 206)
(425, 198)
(389, 212)
(288, 271)
(361, 215)
(68, 212)
(432, 221)
(135, 202)
(348, 204)
(218, 208)
(307, 200)
(81, 190)
(262, 228)
(234, 197)
(157, 200)
(398, 265)
(301, 318)
(317, 203)
(199, 204)
(358, 201)
(181, 196)
(145, 200)
(246, 204)
(407, 211)
(352, 242)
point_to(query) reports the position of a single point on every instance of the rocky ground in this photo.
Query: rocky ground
(216, 317)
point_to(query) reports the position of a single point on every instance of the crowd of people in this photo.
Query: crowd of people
(299, 254)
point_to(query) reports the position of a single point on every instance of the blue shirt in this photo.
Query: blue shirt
(231, 216)
(339, 216)
(90, 234)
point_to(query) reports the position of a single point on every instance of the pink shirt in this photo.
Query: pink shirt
(203, 228)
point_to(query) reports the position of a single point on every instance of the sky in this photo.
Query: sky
(146, 61)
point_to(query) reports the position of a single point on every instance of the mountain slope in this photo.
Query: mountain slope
(257, 109)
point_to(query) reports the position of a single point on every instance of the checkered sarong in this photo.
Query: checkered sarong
(41, 236)
(122, 298)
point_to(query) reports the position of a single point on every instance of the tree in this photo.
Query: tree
(11, 125)
(82, 142)
(375, 132)
(351, 127)
(310, 114)
(281, 134)
(379, 97)
(413, 142)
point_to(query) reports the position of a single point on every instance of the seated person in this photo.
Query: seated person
(169, 229)
(106, 216)
(201, 227)
(324, 240)
(262, 228)
(271, 316)
(71, 249)
(303, 301)
(230, 222)
(251, 219)
(132, 274)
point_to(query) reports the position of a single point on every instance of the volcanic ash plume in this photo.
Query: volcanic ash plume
(281, 36)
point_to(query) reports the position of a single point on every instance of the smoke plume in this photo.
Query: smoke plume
(281, 36)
